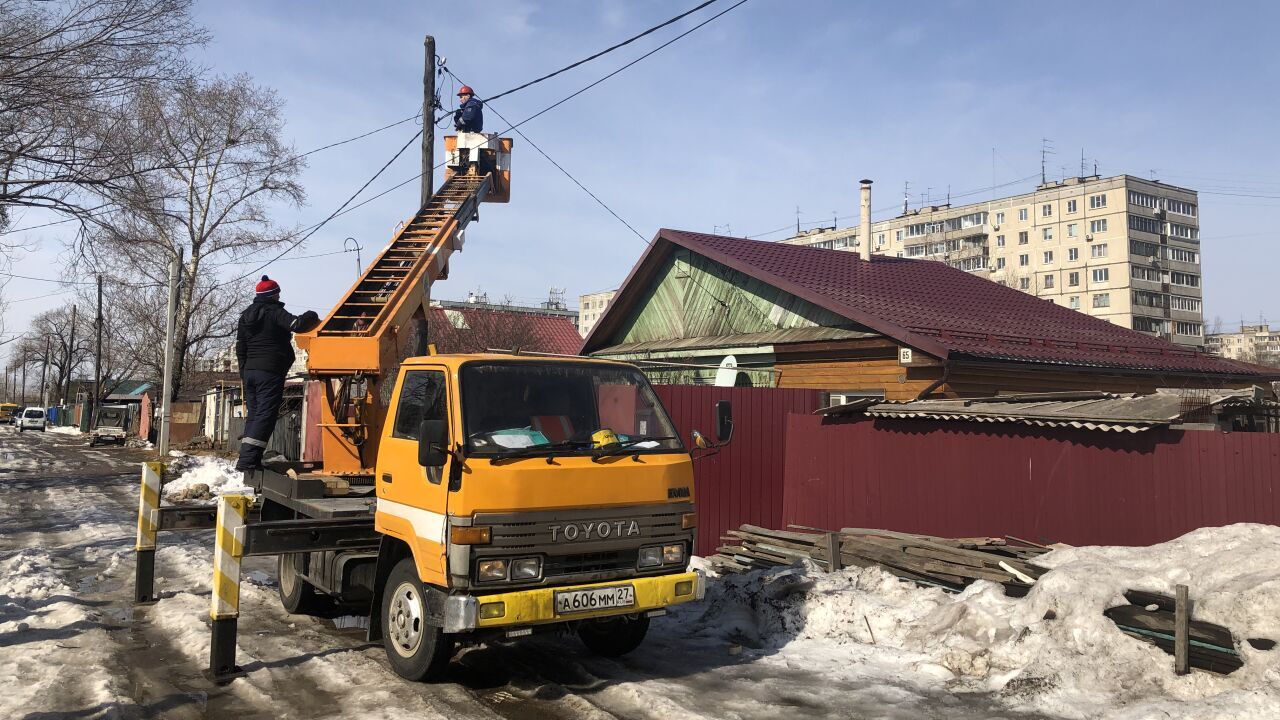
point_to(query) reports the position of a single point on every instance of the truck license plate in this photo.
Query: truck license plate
(572, 601)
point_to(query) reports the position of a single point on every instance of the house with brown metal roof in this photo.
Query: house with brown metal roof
(702, 308)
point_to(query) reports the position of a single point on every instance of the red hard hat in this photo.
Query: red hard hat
(465, 90)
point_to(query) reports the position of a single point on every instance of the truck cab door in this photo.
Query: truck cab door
(413, 499)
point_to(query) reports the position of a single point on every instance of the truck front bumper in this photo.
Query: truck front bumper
(464, 613)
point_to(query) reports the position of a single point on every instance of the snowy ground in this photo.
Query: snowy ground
(788, 644)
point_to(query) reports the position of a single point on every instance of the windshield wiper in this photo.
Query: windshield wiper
(625, 446)
(541, 448)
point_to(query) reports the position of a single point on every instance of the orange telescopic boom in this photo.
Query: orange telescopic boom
(382, 319)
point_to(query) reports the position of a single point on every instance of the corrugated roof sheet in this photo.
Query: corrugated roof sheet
(1092, 411)
(785, 335)
(938, 309)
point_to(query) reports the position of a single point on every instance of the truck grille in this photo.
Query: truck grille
(609, 550)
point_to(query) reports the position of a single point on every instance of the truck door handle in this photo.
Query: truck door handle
(386, 477)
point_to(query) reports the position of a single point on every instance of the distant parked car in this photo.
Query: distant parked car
(32, 419)
(111, 425)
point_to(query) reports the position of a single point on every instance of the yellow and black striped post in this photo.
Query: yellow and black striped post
(148, 524)
(224, 607)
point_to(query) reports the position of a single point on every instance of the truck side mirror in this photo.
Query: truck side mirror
(724, 422)
(433, 438)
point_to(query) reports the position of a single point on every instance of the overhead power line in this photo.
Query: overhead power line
(602, 53)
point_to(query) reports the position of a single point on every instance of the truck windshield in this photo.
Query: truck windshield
(523, 405)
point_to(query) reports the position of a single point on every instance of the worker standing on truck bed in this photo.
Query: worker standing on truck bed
(469, 117)
(264, 349)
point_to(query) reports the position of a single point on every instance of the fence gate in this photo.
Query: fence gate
(286, 437)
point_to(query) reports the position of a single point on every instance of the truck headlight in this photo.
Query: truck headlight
(650, 557)
(526, 568)
(489, 570)
(672, 554)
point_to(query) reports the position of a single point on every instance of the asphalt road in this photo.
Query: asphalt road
(69, 512)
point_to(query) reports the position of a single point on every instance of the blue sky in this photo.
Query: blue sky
(775, 105)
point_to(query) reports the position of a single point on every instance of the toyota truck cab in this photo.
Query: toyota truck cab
(516, 493)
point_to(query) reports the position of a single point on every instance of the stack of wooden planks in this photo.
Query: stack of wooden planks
(953, 563)
(948, 563)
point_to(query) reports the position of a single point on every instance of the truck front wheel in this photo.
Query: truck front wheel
(416, 649)
(614, 636)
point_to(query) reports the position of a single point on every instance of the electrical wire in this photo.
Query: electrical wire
(602, 53)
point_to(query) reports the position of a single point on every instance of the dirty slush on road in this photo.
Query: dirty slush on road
(73, 645)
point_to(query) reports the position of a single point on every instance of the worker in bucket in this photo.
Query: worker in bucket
(264, 349)
(469, 117)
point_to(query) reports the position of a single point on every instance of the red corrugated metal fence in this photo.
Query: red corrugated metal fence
(1052, 484)
(743, 482)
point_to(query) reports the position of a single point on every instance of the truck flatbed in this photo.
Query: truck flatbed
(309, 495)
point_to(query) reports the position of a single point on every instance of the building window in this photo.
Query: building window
(1181, 255)
(1046, 210)
(1146, 324)
(1144, 224)
(1182, 208)
(1072, 229)
(1073, 302)
(1145, 249)
(1024, 260)
(915, 250)
(1186, 328)
(1185, 279)
(1071, 206)
(999, 263)
(1185, 232)
(1048, 281)
(999, 241)
(1098, 251)
(1024, 283)
(1098, 226)
(897, 236)
(1101, 300)
(1186, 304)
(999, 218)
(880, 240)
(1097, 201)
(1023, 237)
(1142, 199)
(1048, 257)
(1073, 254)
(1047, 233)
(1146, 298)
(1101, 275)
(1137, 272)
(1073, 279)
(1022, 214)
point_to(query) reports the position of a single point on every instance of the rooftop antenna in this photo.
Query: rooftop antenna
(948, 194)
(1081, 162)
(1095, 167)
(797, 219)
(835, 221)
(1046, 149)
(906, 196)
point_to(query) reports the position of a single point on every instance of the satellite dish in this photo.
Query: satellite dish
(727, 375)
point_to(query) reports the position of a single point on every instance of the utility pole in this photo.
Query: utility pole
(44, 370)
(166, 397)
(25, 360)
(428, 120)
(71, 357)
(355, 245)
(97, 358)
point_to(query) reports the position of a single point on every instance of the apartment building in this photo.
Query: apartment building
(1254, 343)
(1121, 248)
(590, 307)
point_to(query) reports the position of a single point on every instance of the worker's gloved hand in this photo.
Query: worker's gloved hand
(306, 322)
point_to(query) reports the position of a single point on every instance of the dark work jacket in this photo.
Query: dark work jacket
(264, 338)
(469, 117)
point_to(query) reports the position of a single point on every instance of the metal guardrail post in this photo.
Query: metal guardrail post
(224, 607)
(148, 525)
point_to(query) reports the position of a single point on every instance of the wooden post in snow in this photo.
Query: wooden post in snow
(1181, 631)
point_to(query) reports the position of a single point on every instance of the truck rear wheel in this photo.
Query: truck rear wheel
(297, 595)
(416, 649)
(613, 636)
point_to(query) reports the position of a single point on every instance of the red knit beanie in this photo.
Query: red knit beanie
(267, 286)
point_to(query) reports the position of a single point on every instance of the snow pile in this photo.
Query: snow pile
(200, 478)
(65, 429)
(1075, 664)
